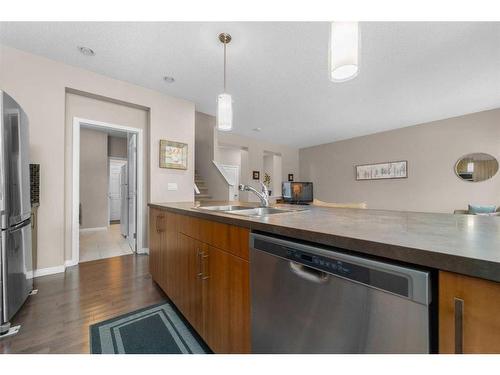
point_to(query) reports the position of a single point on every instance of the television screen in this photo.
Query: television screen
(298, 192)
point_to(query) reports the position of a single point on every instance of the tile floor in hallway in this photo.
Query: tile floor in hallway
(101, 244)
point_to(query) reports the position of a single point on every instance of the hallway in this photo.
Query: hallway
(101, 244)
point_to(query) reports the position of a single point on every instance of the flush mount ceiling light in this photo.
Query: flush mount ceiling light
(224, 100)
(86, 51)
(169, 79)
(257, 129)
(344, 51)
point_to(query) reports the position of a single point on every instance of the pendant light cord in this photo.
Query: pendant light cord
(224, 66)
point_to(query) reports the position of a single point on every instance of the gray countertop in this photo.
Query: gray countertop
(465, 244)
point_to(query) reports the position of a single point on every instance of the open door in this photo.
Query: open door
(124, 201)
(132, 190)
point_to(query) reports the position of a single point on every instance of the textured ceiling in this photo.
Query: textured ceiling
(410, 72)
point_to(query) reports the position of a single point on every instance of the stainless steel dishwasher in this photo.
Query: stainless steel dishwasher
(307, 299)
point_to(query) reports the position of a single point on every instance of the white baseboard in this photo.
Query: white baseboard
(67, 263)
(70, 263)
(48, 271)
(93, 229)
(144, 250)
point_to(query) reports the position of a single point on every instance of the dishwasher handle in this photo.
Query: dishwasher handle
(308, 273)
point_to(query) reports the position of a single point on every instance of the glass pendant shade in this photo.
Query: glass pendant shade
(224, 112)
(344, 51)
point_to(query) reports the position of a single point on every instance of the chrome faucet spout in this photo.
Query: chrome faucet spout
(262, 195)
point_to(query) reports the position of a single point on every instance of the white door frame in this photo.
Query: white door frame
(75, 227)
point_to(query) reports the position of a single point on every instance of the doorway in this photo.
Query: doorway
(230, 161)
(232, 174)
(272, 177)
(105, 220)
(117, 181)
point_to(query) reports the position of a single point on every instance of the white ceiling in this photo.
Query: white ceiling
(277, 71)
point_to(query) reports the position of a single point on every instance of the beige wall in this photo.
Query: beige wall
(117, 146)
(252, 153)
(98, 109)
(229, 155)
(39, 86)
(205, 151)
(256, 151)
(432, 149)
(93, 178)
(272, 166)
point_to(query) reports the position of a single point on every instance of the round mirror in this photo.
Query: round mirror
(476, 167)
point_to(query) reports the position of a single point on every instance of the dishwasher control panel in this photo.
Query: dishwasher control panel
(327, 264)
(393, 282)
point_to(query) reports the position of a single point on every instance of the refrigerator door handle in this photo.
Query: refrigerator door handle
(3, 293)
(19, 226)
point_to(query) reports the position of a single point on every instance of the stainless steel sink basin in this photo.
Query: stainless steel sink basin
(264, 211)
(226, 208)
(249, 211)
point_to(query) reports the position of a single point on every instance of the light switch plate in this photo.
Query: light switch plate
(172, 186)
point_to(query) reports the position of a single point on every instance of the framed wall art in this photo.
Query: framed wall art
(256, 175)
(382, 171)
(173, 155)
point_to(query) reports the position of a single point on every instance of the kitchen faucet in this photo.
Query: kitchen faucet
(263, 195)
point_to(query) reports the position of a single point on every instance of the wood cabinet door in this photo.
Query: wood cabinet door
(169, 249)
(189, 280)
(196, 255)
(469, 314)
(156, 226)
(226, 302)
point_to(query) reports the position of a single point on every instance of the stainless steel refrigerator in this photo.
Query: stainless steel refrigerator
(15, 211)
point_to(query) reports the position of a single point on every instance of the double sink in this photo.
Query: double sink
(250, 211)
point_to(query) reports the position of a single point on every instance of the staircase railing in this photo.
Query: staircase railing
(222, 171)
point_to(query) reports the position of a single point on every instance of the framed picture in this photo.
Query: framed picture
(290, 177)
(173, 155)
(256, 175)
(382, 171)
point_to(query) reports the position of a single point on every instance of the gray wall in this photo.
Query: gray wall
(93, 178)
(431, 149)
(117, 147)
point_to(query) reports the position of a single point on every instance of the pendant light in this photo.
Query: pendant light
(224, 100)
(344, 51)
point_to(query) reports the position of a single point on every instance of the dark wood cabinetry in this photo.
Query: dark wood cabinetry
(203, 267)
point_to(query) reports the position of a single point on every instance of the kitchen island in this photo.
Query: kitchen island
(464, 249)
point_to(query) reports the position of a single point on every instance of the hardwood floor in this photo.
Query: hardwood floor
(57, 319)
